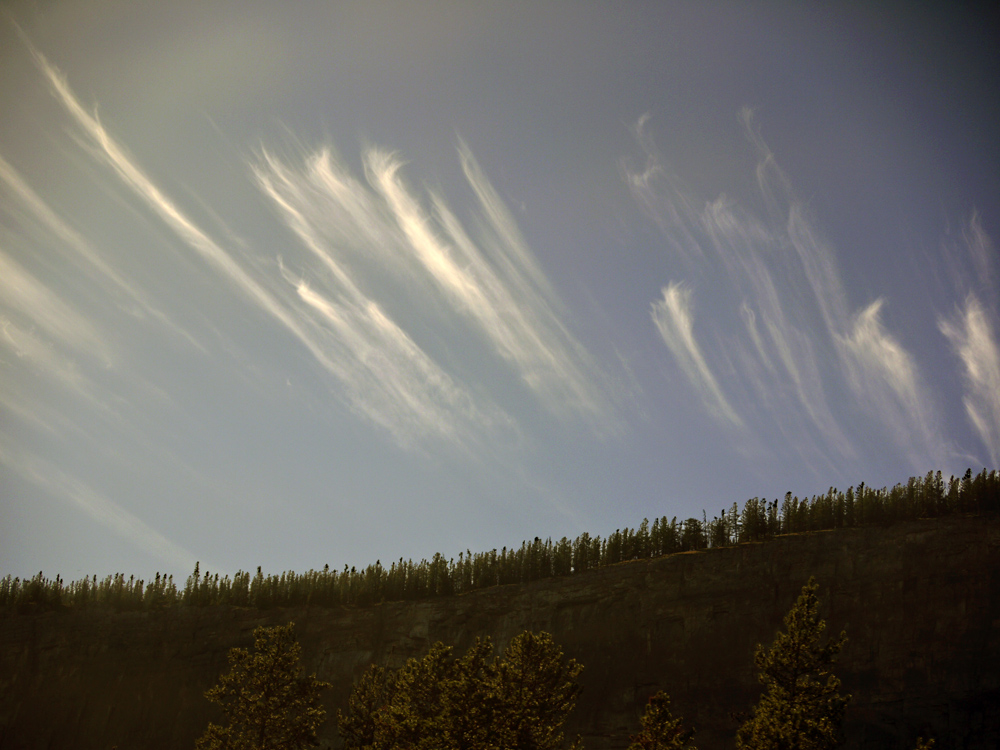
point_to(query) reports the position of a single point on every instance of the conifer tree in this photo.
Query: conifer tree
(660, 730)
(471, 699)
(413, 719)
(801, 708)
(374, 690)
(537, 691)
(519, 701)
(434, 702)
(267, 702)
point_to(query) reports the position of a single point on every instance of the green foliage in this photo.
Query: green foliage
(478, 701)
(660, 730)
(267, 702)
(801, 708)
(415, 716)
(374, 690)
(537, 692)
(405, 580)
(117, 592)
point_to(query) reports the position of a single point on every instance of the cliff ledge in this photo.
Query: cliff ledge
(920, 602)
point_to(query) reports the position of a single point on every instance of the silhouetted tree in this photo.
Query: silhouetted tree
(471, 700)
(413, 717)
(693, 536)
(801, 708)
(660, 730)
(537, 691)
(477, 702)
(267, 702)
(370, 694)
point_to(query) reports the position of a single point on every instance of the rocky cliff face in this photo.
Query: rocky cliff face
(920, 603)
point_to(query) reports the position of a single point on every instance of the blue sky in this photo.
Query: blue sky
(346, 282)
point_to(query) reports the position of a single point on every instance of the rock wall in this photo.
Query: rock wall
(920, 602)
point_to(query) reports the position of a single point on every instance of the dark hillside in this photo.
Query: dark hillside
(920, 602)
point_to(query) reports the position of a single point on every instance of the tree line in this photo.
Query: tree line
(404, 580)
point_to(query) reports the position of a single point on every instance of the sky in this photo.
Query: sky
(331, 283)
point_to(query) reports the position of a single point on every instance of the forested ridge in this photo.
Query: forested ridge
(758, 520)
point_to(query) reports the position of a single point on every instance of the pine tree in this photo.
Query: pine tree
(660, 730)
(519, 701)
(801, 708)
(267, 702)
(537, 692)
(414, 717)
(437, 703)
(373, 691)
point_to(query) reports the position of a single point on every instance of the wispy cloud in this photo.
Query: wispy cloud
(974, 338)
(387, 378)
(84, 250)
(41, 210)
(46, 360)
(782, 308)
(37, 305)
(674, 319)
(886, 376)
(391, 379)
(65, 487)
(115, 156)
(510, 251)
(972, 267)
(661, 198)
(750, 254)
(982, 252)
(493, 283)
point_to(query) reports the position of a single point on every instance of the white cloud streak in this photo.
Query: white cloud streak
(974, 339)
(83, 249)
(662, 200)
(494, 285)
(101, 509)
(518, 263)
(971, 329)
(790, 313)
(400, 389)
(391, 379)
(886, 376)
(116, 157)
(23, 295)
(42, 359)
(23, 192)
(746, 247)
(674, 319)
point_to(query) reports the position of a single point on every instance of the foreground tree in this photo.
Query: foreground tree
(519, 701)
(801, 708)
(414, 718)
(371, 693)
(267, 701)
(537, 691)
(660, 730)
